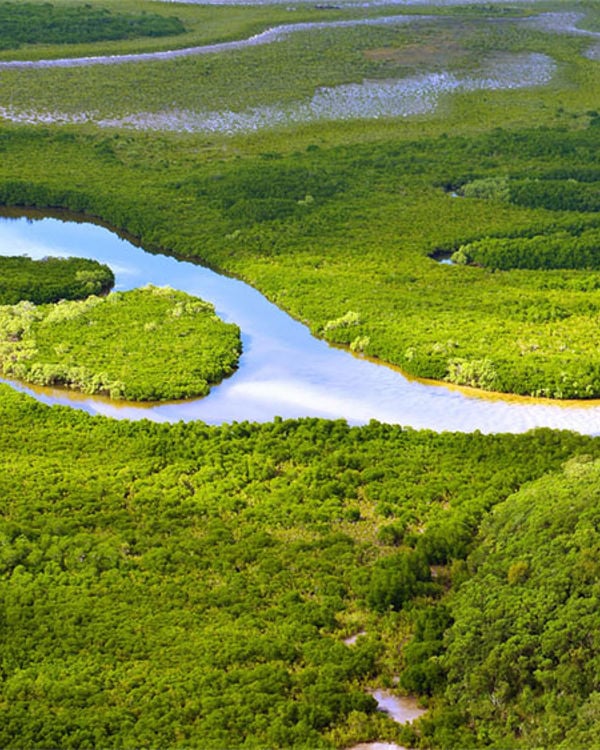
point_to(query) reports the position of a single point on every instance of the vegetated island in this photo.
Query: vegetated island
(51, 279)
(149, 344)
(521, 320)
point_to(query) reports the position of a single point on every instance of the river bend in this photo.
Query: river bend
(284, 370)
(564, 22)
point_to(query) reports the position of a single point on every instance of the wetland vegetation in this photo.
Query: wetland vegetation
(193, 586)
(281, 221)
(35, 23)
(51, 279)
(150, 344)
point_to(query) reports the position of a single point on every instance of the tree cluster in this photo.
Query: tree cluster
(51, 279)
(193, 586)
(150, 344)
(520, 653)
(44, 23)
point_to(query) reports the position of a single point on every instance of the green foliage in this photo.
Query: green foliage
(562, 189)
(574, 250)
(493, 188)
(525, 330)
(44, 23)
(350, 318)
(191, 586)
(521, 656)
(266, 191)
(51, 279)
(557, 195)
(480, 373)
(424, 672)
(149, 344)
(396, 580)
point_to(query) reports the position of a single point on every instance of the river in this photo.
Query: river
(284, 370)
(368, 99)
(555, 22)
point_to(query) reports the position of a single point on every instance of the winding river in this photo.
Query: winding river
(563, 22)
(284, 370)
(368, 99)
(270, 35)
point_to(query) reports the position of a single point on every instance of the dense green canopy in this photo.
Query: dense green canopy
(51, 279)
(295, 224)
(522, 653)
(45, 23)
(150, 344)
(189, 586)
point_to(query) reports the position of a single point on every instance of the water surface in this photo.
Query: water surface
(371, 99)
(357, 3)
(556, 22)
(274, 34)
(284, 371)
(402, 710)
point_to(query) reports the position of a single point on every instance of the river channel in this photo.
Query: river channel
(284, 370)
(367, 99)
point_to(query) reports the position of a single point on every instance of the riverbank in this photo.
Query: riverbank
(283, 371)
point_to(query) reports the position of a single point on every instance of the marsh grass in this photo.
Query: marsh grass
(281, 73)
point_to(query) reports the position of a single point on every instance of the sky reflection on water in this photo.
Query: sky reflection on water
(284, 371)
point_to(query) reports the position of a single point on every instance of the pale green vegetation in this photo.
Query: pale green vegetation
(149, 344)
(291, 70)
(188, 586)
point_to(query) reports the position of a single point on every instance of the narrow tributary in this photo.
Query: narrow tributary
(402, 710)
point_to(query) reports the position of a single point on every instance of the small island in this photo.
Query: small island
(51, 279)
(149, 344)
